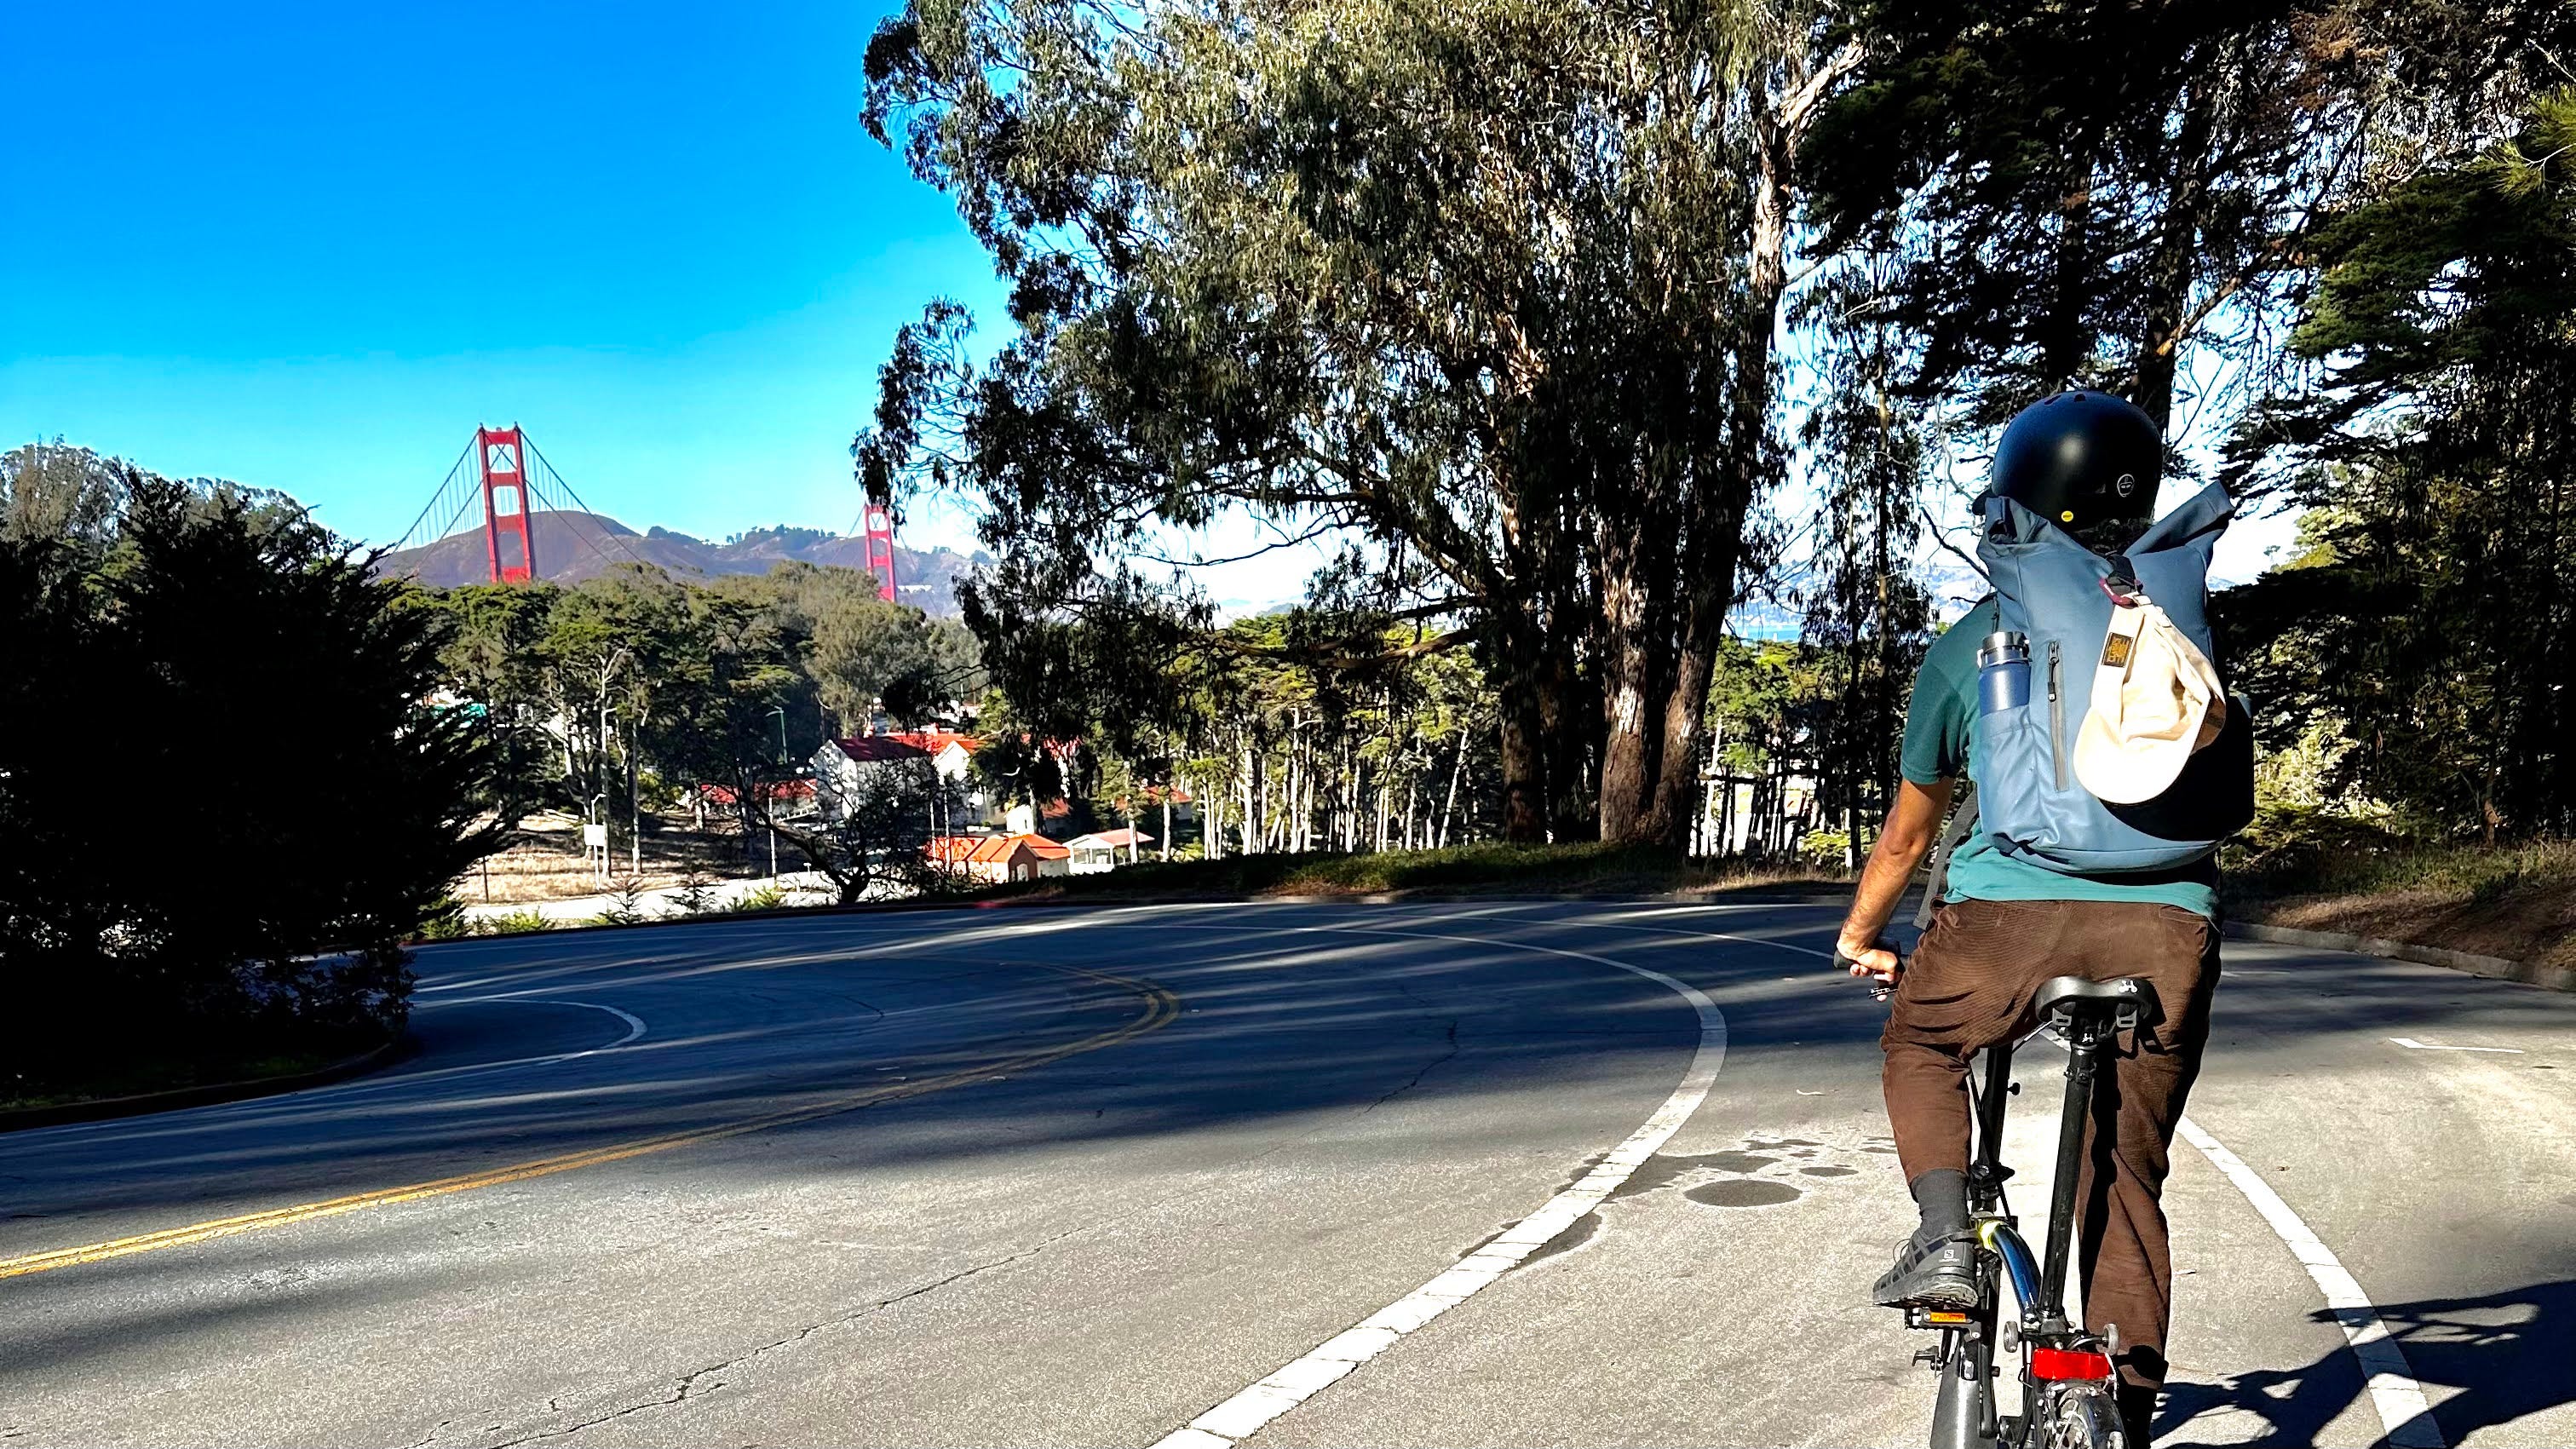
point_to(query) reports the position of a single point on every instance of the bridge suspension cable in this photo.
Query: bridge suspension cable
(503, 470)
(448, 502)
(582, 509)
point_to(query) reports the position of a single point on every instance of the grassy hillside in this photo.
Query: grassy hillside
(2329, 873)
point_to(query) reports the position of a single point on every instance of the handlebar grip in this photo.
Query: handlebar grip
(1880, 990)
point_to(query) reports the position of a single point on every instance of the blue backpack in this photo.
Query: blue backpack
(2021, 759)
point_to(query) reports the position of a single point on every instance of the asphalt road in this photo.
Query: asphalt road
(1084, 1177)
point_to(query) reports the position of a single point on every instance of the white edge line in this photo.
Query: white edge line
(2403, 1413)
(634, 1024)
(2405, 1417)
(1293, 1383)
(2411, 1044)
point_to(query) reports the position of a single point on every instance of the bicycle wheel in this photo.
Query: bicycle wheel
(2083, 1418)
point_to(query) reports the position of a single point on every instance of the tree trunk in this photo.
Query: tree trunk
(1701, 843)
(1306, 814)
(1632, 572)
(1713, 547)
(1524, 771)
(1449, 807)
(1256, 816)
(2169, 277)
(1570, 714)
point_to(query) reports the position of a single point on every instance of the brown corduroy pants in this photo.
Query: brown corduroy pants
(1969, 985)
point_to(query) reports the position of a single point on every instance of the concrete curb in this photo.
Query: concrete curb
(2553, 978)
(23, 1118)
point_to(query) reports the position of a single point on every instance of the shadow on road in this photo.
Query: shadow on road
(1277, 1026)
(2506, 1353)
(1291, 1014)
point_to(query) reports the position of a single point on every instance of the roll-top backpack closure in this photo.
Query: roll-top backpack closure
(2060, 596)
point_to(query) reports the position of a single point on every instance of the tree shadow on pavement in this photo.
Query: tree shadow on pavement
(2506, 1353)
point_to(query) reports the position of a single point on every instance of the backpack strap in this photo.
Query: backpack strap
(1962, 820)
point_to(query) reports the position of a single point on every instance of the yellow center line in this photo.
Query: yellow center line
(1161, 1006)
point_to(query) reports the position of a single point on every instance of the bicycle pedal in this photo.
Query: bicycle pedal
(1938, 1318)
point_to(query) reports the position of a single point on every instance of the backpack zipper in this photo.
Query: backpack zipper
(2056, 718)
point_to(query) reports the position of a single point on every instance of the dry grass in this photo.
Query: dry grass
(544, 861)
(2329, 873)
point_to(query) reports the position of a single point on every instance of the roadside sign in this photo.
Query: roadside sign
(595, 836)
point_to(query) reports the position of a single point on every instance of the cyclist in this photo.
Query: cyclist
(2007, 924)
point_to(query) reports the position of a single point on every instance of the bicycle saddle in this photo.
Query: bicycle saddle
(2127, 1001)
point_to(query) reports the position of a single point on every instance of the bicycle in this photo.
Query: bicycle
(2069, 1388)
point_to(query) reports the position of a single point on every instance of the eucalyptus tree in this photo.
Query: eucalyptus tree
(2435, 615)
(2083, 193)
(60, 492)
(1491, 285)
(1868, 615)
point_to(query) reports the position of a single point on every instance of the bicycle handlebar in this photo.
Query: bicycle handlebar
(1878, 990)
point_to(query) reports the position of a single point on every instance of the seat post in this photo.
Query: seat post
(2084, 1034)
(1986, 1171)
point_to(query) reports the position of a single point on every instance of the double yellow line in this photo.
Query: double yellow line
(1161, 1006)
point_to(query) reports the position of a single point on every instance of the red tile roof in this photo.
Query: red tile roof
(961, 849)
(934, 741)
(873, 748)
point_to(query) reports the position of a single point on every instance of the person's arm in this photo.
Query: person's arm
(1912, 823)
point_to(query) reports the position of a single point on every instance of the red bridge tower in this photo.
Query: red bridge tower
(501, 457)
(881, 551)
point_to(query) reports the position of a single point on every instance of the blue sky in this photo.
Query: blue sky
(311, 246)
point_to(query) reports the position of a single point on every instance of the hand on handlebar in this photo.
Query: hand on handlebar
(1878, 961)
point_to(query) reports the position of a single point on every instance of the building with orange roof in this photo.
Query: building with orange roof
(993, 859)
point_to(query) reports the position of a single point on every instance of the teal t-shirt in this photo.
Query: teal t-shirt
(1937, 725)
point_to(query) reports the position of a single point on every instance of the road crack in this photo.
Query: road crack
(1451, 1036)
(693, 1384)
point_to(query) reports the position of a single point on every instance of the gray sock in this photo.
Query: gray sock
(1941, 1195)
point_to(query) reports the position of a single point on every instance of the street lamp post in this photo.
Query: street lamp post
(772, 804)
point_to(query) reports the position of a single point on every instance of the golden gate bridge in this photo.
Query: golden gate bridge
(503, 470)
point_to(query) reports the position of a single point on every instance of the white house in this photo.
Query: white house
(1100, 850)
(843, 767)
(949, 751)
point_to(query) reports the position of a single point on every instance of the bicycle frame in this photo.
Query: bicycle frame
(1966, 1416)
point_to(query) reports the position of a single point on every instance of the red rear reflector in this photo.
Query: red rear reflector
(2058, 1364)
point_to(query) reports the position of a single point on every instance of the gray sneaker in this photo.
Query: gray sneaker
(1936, 1273)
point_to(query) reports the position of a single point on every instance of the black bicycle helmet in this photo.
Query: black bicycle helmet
(2081, 458)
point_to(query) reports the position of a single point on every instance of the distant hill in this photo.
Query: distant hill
(572, 546)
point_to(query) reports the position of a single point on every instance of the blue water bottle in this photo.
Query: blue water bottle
(2003, 671)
